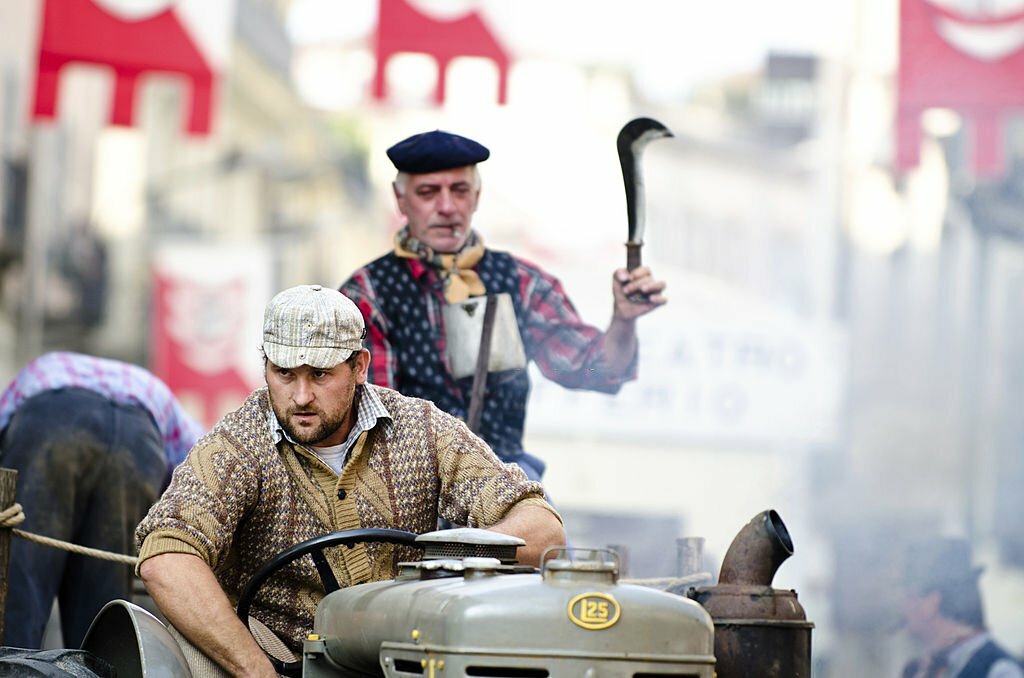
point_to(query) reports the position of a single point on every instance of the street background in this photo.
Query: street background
(840, 228)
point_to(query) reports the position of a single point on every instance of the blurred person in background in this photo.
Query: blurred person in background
(94, 441)
(83, 263)
(440, 260)
(943, 611)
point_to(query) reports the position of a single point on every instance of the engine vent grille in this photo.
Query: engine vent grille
(469, 542)
(446, 550)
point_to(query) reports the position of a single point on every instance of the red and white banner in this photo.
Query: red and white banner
(403, 27)
(208, 302)
(967, 56)
(187, 39)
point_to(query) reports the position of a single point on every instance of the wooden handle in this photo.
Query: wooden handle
(8, 484)
(633, 259)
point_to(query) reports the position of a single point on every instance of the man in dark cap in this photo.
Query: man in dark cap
(440, 261)
(943, 611)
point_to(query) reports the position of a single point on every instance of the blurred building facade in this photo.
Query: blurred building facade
(83, 198)
(925, 285)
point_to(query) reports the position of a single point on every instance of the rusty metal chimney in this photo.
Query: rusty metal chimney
(760, 632)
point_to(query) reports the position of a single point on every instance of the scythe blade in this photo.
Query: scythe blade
(632, 139)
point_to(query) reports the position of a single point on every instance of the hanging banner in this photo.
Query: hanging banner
(208, 301)
(188, 39)
(402, 27)
(969, 59)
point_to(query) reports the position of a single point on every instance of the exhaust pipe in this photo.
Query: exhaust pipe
(757, 551)
(760, 632)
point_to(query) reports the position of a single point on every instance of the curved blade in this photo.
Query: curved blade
(632, 139)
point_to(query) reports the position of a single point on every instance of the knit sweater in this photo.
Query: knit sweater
(239, 499)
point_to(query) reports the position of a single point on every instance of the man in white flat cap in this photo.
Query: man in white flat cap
(318, 450)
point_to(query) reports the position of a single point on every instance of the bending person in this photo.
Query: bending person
(93, 441)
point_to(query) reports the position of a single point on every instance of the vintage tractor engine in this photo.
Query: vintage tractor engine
(477, 616)
(466, 609)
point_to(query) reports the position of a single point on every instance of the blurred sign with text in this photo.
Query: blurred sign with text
(702, 380)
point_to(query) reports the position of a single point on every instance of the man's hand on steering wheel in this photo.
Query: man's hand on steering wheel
(314, 547)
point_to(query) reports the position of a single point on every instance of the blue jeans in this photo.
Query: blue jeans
(88, 471)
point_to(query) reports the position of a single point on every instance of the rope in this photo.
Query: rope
(13, 515)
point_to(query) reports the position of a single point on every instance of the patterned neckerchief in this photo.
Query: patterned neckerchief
(460, 280)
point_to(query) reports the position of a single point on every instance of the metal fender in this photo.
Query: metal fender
(135, 643)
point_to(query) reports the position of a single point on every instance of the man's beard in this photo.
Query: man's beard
(326, 428)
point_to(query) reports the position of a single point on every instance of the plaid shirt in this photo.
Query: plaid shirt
(564, 348)
(121, 382)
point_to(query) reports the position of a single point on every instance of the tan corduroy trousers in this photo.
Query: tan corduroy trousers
(202, 666)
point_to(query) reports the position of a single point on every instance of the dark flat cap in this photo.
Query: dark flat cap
(938, 562)
(436, 151)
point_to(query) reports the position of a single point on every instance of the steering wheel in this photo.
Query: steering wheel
(315, 547)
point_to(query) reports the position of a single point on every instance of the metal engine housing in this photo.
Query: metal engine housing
(477, 616)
